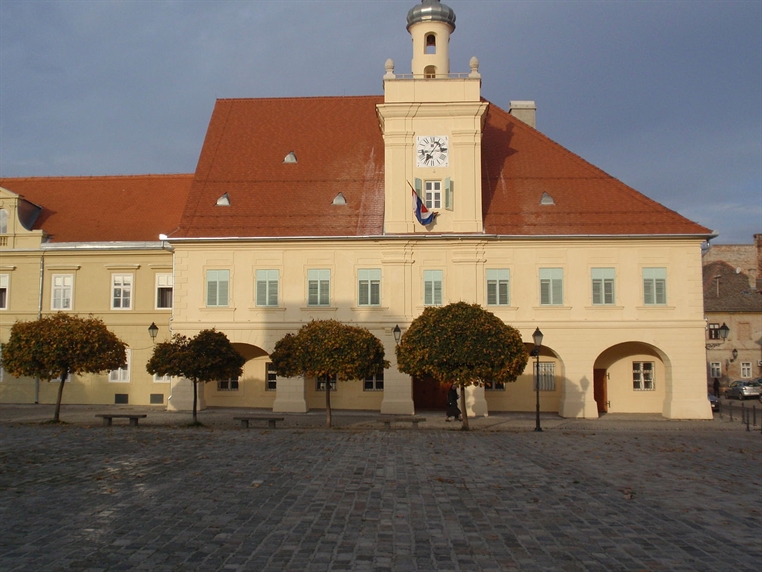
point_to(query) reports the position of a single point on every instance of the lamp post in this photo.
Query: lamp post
(397, 334)
(537, 337)
(153, 331)
(724, 331)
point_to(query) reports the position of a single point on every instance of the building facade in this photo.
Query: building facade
(310, 208)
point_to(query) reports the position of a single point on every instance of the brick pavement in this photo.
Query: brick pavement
(628, 493)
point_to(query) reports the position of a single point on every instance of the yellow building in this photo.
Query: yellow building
(305, 208)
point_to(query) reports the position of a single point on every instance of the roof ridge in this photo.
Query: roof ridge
(298, 98)
(101, 177)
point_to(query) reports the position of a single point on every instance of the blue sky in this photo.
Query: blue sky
(664, 95)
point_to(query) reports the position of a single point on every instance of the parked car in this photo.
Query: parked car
(714, 402)
(743, 388)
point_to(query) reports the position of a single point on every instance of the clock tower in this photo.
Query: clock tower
(432, 125)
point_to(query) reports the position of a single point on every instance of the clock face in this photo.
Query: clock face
(432, 151)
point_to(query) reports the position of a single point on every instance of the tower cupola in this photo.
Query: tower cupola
(430, 24)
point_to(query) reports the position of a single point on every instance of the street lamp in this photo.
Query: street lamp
(397, 334)
(735, 354)
(153, 331)
(537, 337)
(724, 331)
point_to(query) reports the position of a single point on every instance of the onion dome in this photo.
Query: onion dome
(431, 10)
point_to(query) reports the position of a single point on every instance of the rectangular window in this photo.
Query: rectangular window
(320, 385)
(654, 286)
(603, 286)
(227, 384)
(161, 378)
(272, 378)
(714, 331)
(498, 282)
(551, 286)
(318, 287)
(494, 386)
(121, 375)
(369, 287)
(63, 287)
(547, 376)
(217, 287)
(745, 369)
(715, 369)
(164, 285)
(432, 287)
(4, 283)
(643, 375)
(375, 383)
(267, 287)
(433, 194)
(121, 291)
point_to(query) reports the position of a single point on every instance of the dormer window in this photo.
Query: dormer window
(547, 199)
(339, 200)
(223, 201)
(431, 44)
(430, 72)
(290, 158)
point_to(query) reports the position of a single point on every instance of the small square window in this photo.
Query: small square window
(320, 382)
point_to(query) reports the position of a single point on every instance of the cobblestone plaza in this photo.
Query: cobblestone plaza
(634, 494)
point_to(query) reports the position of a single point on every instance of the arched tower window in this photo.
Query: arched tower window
(3, 221)
(430, 72)
(431, 44)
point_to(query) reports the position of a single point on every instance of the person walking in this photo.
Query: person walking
(452, 404)
(716, 386)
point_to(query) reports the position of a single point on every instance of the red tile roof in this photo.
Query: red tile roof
(339, 148)
(105, 209)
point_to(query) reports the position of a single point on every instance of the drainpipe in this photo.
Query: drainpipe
(39, 315)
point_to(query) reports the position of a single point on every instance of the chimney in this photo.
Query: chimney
(525, 111)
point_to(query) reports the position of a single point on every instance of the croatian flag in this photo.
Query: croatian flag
(424, 215)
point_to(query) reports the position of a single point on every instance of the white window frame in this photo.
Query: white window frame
(374, 383)
(546, 376)
(654, 286)
(121, 291)
(320, 383)
(715, 369)
(5, 290)
(643, 376)
(162, 378)
(551, 286)
(268, 287)
(498, 287)
(432, 193)
(319, 287)
(232, 384)
(62, 285)
(745, 370)
(121, 375)
(218, 288)
(433, 287)
(369, 287)
(603, 285)
(3, 221)
(271, 377)
(164, 282)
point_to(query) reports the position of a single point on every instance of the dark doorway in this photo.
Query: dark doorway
(600, 393)
(428, 393)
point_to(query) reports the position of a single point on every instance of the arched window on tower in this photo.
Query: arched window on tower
(430, 72)
(431, 44)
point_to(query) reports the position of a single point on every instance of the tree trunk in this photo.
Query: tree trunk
(57, 414)
(328, 402)
(463, 410)
(195, 399)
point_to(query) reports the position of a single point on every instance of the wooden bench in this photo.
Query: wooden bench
(387, 420)
(109, 417)
(271, 421)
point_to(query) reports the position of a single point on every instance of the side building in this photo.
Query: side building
(306, 208)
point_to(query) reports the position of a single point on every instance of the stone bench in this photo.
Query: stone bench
(109, 417)
(271, 421)
(387, 420)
